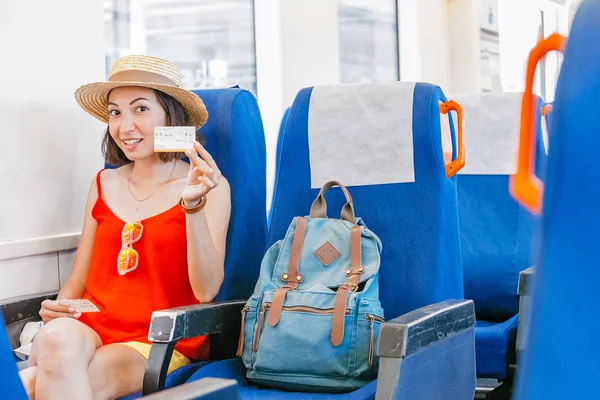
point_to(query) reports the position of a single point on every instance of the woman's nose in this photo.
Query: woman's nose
(127, 125)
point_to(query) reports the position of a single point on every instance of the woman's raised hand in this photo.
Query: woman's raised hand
(203, 177)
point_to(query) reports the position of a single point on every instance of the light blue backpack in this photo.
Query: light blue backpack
(313, 321)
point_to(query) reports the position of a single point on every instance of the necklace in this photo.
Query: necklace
(155, 189)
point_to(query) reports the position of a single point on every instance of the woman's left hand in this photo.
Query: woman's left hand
(203, 177)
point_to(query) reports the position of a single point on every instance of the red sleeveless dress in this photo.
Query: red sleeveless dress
(161, 280)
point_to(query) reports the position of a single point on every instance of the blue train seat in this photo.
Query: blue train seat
(383, 141)
(496, 232)
(235, 138)
(562, 355)
(278, 155)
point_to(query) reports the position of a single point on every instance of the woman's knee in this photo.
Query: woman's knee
(64, 340)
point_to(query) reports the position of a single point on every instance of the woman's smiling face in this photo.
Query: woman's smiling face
(133, 114)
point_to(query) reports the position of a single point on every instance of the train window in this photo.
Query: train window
(212, 41)
(368, 31)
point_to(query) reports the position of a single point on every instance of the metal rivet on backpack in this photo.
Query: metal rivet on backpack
(348, 272)
(284, 276)
(361, 269)
(299, 278)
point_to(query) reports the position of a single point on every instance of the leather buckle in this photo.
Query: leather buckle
(351, 288)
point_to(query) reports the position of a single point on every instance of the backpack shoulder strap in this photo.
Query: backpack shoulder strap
(292, 277)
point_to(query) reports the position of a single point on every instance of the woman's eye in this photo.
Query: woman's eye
(113, 113)
(141, 109)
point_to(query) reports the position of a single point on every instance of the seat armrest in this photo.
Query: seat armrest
(19, 308)
(169, 326)
(417, 348)
(524, 291)
(196, 320)
(525, 281)
(416, 330)
(17, 311)
(203, 389)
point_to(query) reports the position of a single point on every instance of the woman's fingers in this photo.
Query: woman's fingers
(197, 161)
(54, 306)
(203, 169)
(52, 310)
(205, 155)
(207, 181)
(48, 315)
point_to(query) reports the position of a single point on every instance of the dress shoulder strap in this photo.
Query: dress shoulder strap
(98, 185)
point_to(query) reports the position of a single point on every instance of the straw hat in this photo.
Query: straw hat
(143, 71)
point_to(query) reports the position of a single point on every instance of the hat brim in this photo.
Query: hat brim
(93, 99)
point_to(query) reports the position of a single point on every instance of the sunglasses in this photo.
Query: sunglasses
(128, 257)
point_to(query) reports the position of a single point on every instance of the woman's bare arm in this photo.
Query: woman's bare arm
(206, 238)
(75, 285)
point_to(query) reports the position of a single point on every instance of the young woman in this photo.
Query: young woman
(153, 238)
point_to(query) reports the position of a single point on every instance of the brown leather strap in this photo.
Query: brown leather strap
(339, 315)
(341, 297)
(319, 206)
(277, 305)
(355, 256)
(293, 277)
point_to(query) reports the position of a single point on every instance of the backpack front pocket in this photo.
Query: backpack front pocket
(248, 325)
(302, 333)
(369, 320)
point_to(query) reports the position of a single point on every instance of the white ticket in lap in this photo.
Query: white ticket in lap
(174, 138)
(80, 305)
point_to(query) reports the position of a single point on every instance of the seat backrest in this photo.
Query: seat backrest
(235, 138)
(562, 351)
(10, 383)
(278, 155)
(384, 142)
(496, 232)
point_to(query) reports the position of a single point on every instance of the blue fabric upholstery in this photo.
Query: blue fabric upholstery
(10, 383)
(235, 138)
(496, 235)
(494, 342)
(234, 369)
(417, 222)
(278, 156)
(562, 357)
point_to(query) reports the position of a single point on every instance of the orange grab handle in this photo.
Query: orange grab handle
(546, 109)
(524, 186)
(453, 167)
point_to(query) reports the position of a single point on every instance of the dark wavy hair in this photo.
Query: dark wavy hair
(176, 116)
